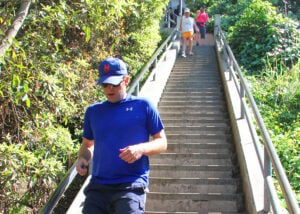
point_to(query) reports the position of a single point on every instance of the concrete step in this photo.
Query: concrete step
(194, 185)
(196, 107)
(224, 148)
(194, 93)
(202, 107)
(200, 212)
(195, 68)
(187, 119)
(192, 158)
(211, 138)
(199, 127)
(189, 83)
(199, 87)
(181, 70)
(190, 171)
(187, 90)
(203, 132)
(194, 202)
(189, 102)
(215, 99)
(175, 139)
(193, 121)
(176, 123)
(193, 79)
(188, 73)
(213, 113)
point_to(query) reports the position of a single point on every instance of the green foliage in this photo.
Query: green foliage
(290, 8)
(287, 45)
(277, 95)
(229, 12)
(30, 170)
(47, 79)
(261, 32)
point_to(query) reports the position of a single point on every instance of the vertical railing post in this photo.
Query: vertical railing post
(217, 27)
(166, 48)
(242, 90)
(137, 89)
(267, 173)
(230, 69)
(154, 70)
(169, 23)
(178, 26)
(180, 7)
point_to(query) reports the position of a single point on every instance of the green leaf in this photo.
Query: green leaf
(87, 31)
(28, 103)
(26, 87)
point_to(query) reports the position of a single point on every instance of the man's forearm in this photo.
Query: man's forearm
(156, 146)
(86, 150)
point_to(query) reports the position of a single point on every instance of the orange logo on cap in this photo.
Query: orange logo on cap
(106, 68)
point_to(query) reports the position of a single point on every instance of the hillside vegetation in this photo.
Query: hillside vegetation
(48, 77)
(48, 70)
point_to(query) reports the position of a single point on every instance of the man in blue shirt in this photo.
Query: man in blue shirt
(116, 138)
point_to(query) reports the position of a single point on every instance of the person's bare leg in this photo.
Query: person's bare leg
(191, 46)
(197, 38)
(183, 46)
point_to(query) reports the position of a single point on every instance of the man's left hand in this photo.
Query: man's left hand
(131, 153)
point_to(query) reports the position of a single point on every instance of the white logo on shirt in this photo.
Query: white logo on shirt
(129, 109)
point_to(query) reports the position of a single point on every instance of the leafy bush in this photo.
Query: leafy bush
(229, 11)
(277, 95)
(261, 32)
(47, 79)
(31, 170)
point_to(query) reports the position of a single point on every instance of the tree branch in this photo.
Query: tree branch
(16, 25)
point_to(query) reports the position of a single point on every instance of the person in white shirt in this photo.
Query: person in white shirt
(187, 26)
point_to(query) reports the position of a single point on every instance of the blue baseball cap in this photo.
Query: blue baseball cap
(111, 70)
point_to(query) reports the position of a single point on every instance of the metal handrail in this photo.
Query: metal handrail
(59, 191)
(134, 87)
(271, 158)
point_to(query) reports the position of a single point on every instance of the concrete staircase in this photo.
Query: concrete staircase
(199, 171)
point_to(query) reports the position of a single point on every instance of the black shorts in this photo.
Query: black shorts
(117, 199)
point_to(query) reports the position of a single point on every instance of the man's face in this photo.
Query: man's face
(115, 93)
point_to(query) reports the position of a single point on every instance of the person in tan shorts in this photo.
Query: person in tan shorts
(187, 26)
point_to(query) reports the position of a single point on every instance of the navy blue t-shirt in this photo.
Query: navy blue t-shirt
(113, 126)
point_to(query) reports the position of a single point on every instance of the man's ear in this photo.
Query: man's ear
(126, 80)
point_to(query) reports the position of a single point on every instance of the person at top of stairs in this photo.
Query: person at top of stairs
(116, 140)
(202, 18)
(187, 26)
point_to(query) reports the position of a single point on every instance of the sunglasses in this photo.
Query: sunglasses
(104, 85)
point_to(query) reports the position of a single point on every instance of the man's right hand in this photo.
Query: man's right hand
(82, 166)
